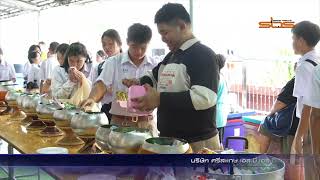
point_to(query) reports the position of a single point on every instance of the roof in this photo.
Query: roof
(11, 8)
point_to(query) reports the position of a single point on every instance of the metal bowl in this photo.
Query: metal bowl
(102, 136)
(4, 89)
(11, 97)
(261, 168)
(45, 111)
(127, 140)
(63, 117)
(87, 123)
(164, 145)
(30, 102)
(20, 100)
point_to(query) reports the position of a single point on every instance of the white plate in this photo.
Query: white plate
(53, 150)
(97, 177)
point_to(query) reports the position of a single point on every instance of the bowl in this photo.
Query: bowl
(87, 123)
(127, 140)
(53, 150)
(165, 145)
(102, 136)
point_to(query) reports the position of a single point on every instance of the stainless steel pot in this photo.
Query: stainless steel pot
(127, 140)
(4, 88)
(20, 100)
(87, 123)
(30, 102)
(45, 111)
(102, 136)
(265, 168)
(165, 145)
(63, 117)
(12, 95)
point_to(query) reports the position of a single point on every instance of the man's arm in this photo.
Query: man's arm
(302, 129)
(277, 106)
(315, 133)
(98, 91)
(100, 87)
(204, 79)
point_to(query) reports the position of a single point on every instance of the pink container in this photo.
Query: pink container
(134, 92)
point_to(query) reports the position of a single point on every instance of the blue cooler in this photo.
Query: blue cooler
(239, 115)
(234, 128)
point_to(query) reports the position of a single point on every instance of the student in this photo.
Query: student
(222, 108)
(131, 64)
(185, 83)
(59, 75)
(7, 71)
(305, 37)
(46, 68)
(77, 64)
(111, 44)
(100, 56)
(33, 81)
(27, 65)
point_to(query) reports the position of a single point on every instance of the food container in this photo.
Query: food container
(165, 145)
(127, 140)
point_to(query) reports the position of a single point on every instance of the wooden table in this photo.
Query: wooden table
(27, 142)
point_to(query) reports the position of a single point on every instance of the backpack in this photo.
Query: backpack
(283, 122)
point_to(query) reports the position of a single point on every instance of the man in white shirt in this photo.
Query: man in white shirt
(131, 64)
(305, 37)
(47, 67)
(7, 71)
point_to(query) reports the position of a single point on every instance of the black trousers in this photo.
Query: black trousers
(106, 108)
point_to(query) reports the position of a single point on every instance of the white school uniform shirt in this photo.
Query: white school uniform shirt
(34, 74)
(120, 67)
(61, 86)
(313, 97)
(303, 78)
(26, 69)
(7, 71)
(47, 67)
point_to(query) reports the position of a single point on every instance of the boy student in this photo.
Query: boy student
(305, 37)
(133, 63)
(47, 67)
(184, 85)
(7, 71)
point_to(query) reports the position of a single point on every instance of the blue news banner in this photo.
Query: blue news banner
(187, 160)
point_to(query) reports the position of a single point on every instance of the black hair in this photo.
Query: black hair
(32, 55)
(309, 31)
(139, 33)
(101, 53)
(170, 12)
(221, 60)
(33, 48)
(1, 52)
(76, 49)
(112, 34)
(53, 46)
(62, 48)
